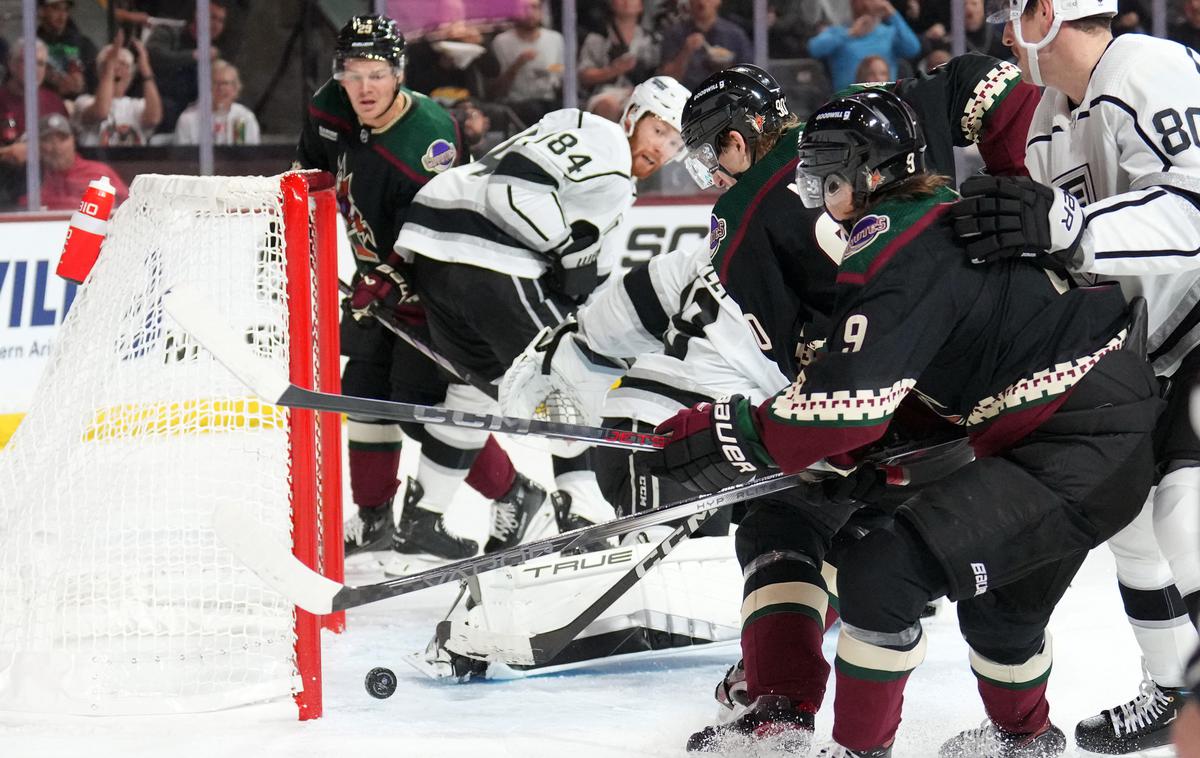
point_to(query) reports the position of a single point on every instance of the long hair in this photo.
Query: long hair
(919, 186)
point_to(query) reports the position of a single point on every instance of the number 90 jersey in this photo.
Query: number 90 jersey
(1130, 152)
(512, 210)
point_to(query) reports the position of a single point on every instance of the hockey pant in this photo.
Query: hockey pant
(1003, 536)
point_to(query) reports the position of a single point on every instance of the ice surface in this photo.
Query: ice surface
(635, 708)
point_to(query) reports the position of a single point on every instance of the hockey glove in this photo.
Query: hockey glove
(573, 270)
(864, 485)
(385, 287)
(1005, 217)
(712, 446)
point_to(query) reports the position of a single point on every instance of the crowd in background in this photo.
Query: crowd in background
(496, 76)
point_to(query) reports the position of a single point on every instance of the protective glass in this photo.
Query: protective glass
(821, 172)
(702, 163)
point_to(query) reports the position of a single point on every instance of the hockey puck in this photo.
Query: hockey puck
(380, 683)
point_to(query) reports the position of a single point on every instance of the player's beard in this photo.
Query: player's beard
(643, 164)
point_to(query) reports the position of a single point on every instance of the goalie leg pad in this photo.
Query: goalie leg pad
(689, 598)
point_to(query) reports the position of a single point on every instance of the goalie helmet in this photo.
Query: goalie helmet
(1006, 11)
(374, 38)
(661, 96)
(743, 99)
(868, 141)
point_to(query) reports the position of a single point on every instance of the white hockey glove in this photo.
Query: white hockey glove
(557, 379)
(573, 269)
(1003, 217)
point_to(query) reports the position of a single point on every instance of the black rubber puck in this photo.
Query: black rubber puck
(380, 683)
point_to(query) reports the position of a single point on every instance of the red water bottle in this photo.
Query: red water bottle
(86, 232)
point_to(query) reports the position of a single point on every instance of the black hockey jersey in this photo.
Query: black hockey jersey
(378, 171)
(994, 349)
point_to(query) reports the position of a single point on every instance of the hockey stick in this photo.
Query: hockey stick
(274, 563)
(409, 335)
(187, 307)
(910, 464)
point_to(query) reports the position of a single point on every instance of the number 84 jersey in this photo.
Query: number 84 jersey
(1130, 151)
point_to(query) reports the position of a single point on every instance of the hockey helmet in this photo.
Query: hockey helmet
(661, 96)
(744, 99)
(867, 142)
(1004, 11)
(371, 37)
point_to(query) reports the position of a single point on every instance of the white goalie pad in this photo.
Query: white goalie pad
(693, 597)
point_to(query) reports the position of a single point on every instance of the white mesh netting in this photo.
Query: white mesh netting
(115, 596)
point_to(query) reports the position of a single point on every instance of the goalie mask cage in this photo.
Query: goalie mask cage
(115, 595)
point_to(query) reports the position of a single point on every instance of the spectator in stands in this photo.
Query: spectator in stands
(1131, 18)
(65, 175)
(233, 123)
(72, 59)
(531, 65)
(611, 64)
(475, 125)
(938, 55)
(873, 68)
(1187, 32)
(983, 37)
(451, 62)
(173, 53)
(111, 117)
(877, 29)
(925, 16)
(12, 93)
(697, 47)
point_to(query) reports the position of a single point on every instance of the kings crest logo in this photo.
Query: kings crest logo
(865, 232)
(439, 157)
(716, 233)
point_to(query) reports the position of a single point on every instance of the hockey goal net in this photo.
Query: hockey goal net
(115, 595)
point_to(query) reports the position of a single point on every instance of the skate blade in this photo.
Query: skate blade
(1163, 751)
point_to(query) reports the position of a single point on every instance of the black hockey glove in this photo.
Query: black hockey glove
(386, 287)
(1005, 217)
(712, 446)
(573, 269)
(864, 485)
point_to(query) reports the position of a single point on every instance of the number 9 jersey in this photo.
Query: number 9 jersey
(1130, 152)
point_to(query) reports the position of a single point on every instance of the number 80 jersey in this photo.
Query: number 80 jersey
(1130, 152)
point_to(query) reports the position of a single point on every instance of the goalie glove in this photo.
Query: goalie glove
(386, 287)
(1006, 217)
(712, 446)
(557, 378)
(573, 270)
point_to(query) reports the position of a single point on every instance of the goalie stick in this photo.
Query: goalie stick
(274, 563)
(911, 464)
(409, 335)
(196, 317)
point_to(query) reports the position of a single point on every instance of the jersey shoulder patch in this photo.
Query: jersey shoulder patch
(876, 236)
(425, 139)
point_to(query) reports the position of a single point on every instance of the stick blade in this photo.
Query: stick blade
(190, 310)
(273, 562)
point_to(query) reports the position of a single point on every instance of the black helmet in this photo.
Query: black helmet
(869, 140)
(371, 37)
(742, 98)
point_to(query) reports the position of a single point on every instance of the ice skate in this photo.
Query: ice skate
(369, 530)
(987, 741)
(1141, 724)
(511, 514)
(771, 724)
(421, 537)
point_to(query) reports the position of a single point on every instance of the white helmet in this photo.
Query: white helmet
(1064, 10)
(662, 96)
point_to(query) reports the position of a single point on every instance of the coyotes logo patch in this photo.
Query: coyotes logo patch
(439, 156)
(865, 232)
(716, 233)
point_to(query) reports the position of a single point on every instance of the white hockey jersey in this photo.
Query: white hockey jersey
(1131, 153)
(511, 211)
(692, 341)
